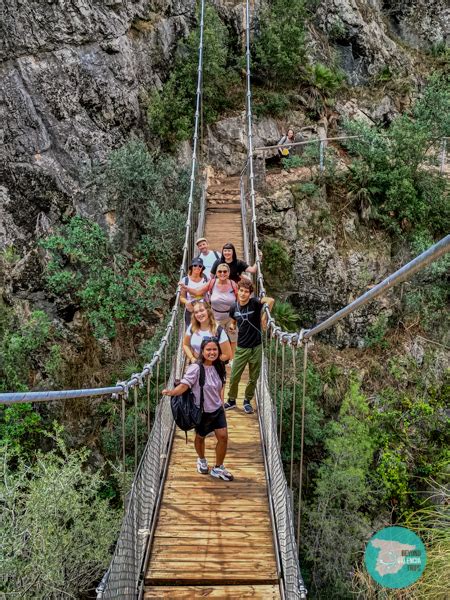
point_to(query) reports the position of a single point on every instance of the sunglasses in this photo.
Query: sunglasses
(221, 272)
(211, 339)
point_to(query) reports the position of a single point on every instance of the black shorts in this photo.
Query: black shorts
(211, 421)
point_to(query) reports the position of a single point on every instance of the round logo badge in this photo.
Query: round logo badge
(395, 557)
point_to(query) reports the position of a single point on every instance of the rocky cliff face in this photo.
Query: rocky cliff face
(334, 255)
(72, 77)
(74, 72)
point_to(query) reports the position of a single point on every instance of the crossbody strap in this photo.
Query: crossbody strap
(201, 382)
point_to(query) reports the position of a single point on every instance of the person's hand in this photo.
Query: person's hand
(182, 285)
(166, 392)
(260, 256)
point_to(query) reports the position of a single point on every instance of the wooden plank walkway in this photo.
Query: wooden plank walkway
(214, 538)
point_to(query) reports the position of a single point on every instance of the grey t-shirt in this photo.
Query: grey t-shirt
(211, 389)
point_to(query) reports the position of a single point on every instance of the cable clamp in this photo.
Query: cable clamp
(140, 379)
(125, 387)
(301, 336)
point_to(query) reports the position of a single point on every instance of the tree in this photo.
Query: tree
(56, 531)
(171, 111)
(336, 526)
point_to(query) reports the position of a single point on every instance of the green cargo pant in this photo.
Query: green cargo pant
(243, 357)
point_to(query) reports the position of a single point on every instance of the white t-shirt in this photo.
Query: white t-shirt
(197, 338)
(208, 261)
(195, 285)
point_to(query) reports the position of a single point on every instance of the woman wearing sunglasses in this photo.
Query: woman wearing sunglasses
(193, 287)
(204, 326)
(213, 417)
(222, 295)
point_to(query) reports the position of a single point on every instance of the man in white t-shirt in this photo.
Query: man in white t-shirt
(208, 256)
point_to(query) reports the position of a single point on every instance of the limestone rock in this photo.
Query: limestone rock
(327, 273)
(71, 88)
(371, 35)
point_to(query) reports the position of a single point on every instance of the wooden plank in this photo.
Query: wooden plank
(231, 592)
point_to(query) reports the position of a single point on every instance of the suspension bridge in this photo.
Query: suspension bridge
(185, 535)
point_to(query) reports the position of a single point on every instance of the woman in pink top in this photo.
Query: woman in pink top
(213, 417)
(222, 296)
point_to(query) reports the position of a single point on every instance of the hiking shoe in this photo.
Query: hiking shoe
(221, 473)
(248, 408)
(229, 404)
(202, 466)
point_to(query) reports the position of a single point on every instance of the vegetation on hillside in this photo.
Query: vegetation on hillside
(171, 111)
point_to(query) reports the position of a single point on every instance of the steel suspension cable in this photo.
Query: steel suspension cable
(302, 441)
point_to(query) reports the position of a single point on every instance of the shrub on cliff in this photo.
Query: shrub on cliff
(110, 287)
(171, 111)
(392, 168)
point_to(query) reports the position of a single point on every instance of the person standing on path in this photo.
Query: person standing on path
(222, 296)
(208, 256)
(236, 266)
(203, 325)
(247, 314)
(191, 287)
(213, 417)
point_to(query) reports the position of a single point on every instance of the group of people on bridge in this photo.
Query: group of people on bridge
(224, 323)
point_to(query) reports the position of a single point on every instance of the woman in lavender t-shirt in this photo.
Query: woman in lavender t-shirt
(213, 417)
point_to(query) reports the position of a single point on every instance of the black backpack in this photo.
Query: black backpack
(186, 413)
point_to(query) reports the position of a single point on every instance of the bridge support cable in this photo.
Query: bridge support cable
(279, 495)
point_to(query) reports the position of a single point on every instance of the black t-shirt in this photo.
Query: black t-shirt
(248, 318)
(236, 268)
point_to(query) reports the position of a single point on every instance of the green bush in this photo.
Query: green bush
(270, 102)
(20, 346)
(56, 532)
(291, 162)
(276, 263)
(171, 111)
(150, 194)
(21, 428)
(279, 49)
(286, 316)
(111, 288)
(341, 492)
(390, 169)
(375, 337)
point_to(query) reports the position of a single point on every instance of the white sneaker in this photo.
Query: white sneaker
(202, 466)
(221, 473)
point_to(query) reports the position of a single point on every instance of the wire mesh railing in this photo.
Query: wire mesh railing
(280, 497)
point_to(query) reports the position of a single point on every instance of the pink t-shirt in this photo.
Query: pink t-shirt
(211, 389)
